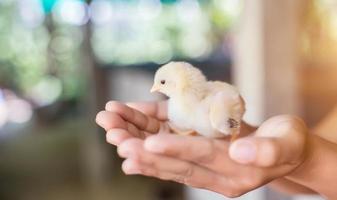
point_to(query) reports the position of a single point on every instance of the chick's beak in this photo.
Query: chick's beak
(154, 88)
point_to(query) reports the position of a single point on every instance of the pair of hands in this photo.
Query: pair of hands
(264, 154)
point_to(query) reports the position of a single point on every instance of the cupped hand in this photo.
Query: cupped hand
(273, 150)
(132, 120)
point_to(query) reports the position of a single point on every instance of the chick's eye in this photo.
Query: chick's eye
(162, 82)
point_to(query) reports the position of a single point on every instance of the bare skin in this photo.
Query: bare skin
(280, 152)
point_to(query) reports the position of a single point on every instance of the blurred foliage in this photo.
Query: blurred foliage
(41, 54)
(156, 32)
(33, 58)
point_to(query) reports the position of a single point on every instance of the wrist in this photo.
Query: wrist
(317, 170)
(308, 161)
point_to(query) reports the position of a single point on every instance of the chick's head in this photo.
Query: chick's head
(176, 78)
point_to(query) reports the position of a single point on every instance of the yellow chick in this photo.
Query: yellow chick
(198, 106)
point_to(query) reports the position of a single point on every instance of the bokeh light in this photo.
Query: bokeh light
(62, 45)
(46, 91)
(231, 8)
(6, 2)
(196, 46)
(31, 12)
(149, 9)
(3, 110)
(189, 11)
(13, 109)
(73, 12)
(162, 52)
(185, 29)
(20, 111)
(101, 12)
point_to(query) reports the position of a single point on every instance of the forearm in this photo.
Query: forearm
(318, 171)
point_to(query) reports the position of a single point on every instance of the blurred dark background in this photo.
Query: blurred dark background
(61, 60)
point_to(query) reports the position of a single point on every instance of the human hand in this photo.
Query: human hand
(123, 121)
(138, 120)
(274, 150)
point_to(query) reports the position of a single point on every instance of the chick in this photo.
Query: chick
(197, 106)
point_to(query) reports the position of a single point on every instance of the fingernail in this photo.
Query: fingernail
(112, 138)
(243, 151)
(129, 167)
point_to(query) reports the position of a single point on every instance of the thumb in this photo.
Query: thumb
(278, 141)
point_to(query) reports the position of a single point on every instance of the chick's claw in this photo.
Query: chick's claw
(178, 131)
(233, 123)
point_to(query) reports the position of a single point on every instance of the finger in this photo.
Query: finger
(278, 141)
(135, 131)
(109, 120)
(140, 161)
(117, 136)
(133, 148)
(191, 176)
(133, 116)
(154, 109)
(194, 149)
